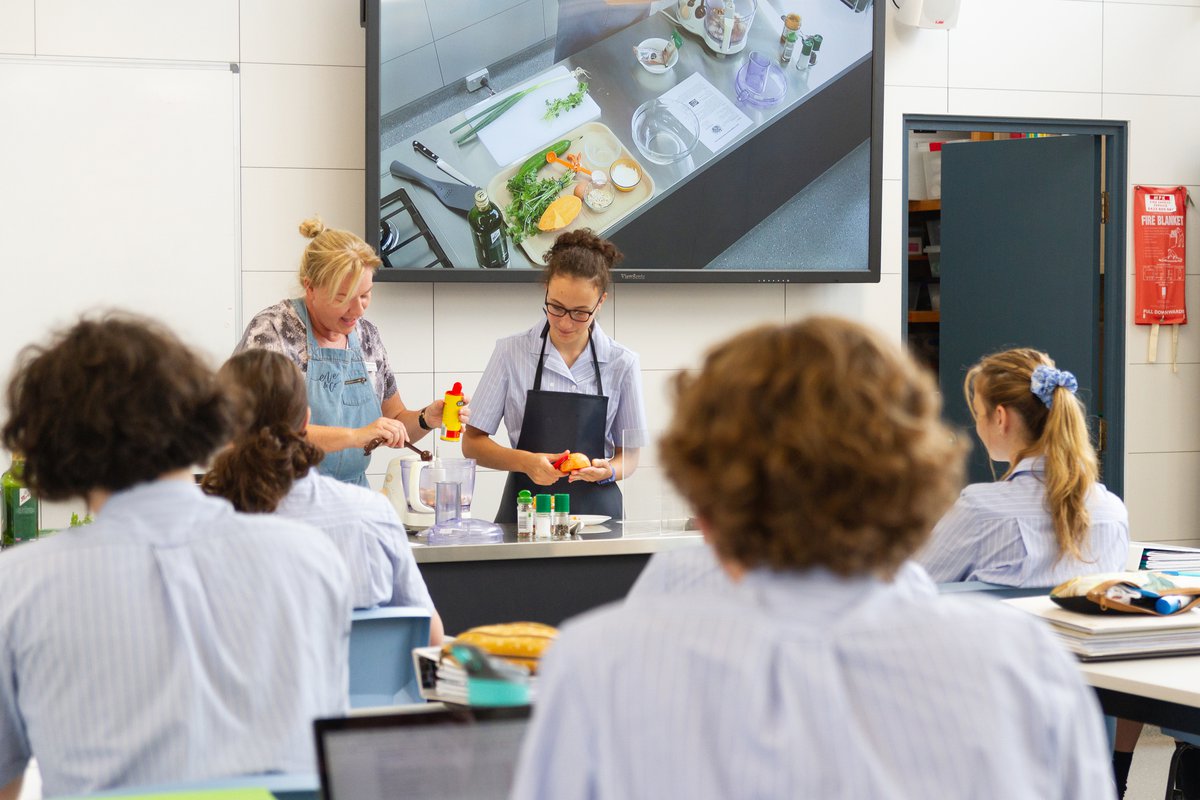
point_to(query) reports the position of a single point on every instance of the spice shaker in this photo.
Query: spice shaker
(541, 516)
(524, 514)
(789, 45)
(562, 517)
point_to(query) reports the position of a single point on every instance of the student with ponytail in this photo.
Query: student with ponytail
(1047, 518)
(269, 469)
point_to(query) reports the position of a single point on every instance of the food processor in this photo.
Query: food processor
(723, 25)
(422, 498)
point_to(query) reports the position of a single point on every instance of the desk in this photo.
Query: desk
(1161, 691)
(540, 581)
(825, 115)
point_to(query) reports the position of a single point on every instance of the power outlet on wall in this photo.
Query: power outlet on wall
(475, 80)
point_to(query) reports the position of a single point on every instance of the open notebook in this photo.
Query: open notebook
(434, 752)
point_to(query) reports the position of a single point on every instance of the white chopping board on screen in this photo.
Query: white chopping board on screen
(522, 128)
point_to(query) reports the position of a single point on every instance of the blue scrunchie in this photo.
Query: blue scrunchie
(1046, 379)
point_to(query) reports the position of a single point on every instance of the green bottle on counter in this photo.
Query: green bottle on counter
(20, 506)
(487, 233)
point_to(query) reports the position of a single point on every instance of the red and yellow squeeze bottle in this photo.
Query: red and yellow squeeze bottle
(451, 424)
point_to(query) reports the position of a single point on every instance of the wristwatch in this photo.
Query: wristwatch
(421, 421)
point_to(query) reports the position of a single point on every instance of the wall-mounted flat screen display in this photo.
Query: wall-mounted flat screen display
(711, 140)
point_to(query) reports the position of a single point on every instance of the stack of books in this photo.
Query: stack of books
(1106, 637)
(443, 680)
(1169, 557)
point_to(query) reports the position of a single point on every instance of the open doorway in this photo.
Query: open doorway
(1016, 237)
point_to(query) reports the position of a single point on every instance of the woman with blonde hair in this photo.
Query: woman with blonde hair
(1047, 518)
(351, 387)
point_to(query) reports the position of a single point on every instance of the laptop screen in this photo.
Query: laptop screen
(430, 752)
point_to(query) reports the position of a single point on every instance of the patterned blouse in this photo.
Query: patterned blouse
(279, 328)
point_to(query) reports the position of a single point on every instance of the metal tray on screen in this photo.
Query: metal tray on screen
(624, 203)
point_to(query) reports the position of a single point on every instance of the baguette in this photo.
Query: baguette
(519, 642)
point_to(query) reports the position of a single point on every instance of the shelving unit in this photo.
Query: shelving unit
(924, 285)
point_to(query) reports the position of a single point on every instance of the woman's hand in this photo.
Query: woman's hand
(600, 469)
(541, 469)
(435, 410)
(392, 431)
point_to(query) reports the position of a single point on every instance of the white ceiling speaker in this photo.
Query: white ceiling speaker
(938, 14)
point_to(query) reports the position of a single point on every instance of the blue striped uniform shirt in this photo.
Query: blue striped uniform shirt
(1002, 533)
(364, 527)
(805, 685)
(172, 639)
(510, 374)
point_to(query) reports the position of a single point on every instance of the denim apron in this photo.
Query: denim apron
(340, 395)
(557, 421)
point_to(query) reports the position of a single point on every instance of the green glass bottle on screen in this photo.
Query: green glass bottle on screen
(487, 232)
(20, 506)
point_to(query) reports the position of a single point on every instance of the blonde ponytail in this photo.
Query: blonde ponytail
(1057, 431)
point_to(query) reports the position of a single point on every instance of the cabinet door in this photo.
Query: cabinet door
(1020, 261)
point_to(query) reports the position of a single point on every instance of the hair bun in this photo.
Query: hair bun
(312, 227)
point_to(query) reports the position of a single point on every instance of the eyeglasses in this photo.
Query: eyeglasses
(578, 315)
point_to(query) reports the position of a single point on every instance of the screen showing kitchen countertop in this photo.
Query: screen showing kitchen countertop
(781, 183)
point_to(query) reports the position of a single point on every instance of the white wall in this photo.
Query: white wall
(301, 145)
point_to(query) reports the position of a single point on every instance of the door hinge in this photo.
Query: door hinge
(1103, 437)
(1104, 208)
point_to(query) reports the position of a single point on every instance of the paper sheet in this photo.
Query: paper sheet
(720, 120)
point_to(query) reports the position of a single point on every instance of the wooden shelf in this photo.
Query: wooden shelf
(924, 316)
(925, 205)
(918, 256)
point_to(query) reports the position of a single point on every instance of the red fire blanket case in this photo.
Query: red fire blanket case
(1159, 222)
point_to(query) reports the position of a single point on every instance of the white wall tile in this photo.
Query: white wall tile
(670, 327)
(448, 16)
(490, 40)
(16, 28)
(1005, 103)
(302, 116)
(1165, 37)
(1035, 45)
(657, 389)
(275, 201)
(649, 496)
(873, 304)
(404, 26)
(408, 77)
(404, 314)
(898, 101)
(1160, 493)
(1161, 408)
(913, 56)
(261, 290)
(415, 390)
(1156, 156)
(139, 29)
(1154, 2)
(893, 228)
(302, 32)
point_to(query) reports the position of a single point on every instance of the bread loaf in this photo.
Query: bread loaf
(519, 642)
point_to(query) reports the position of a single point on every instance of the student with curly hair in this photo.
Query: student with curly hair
(268, 468)
(579, 394)
(814, 674)
(1048, 518)
(173, 639)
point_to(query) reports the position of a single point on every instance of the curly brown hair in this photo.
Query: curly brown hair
(816, 444)
(267, 456)
(582, 254)
(110, 403)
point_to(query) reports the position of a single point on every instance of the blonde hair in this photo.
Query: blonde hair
(1059, 433)
(829, 450)
(333, 256)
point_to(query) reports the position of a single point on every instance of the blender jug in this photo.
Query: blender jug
(444, 470)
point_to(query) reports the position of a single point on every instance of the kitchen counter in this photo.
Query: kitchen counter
(541, 581)
(784, 149)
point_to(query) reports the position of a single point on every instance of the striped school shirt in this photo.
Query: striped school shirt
(510, 373)
(696, 569)
(173, 639)
(1002, 533)
(365, 529)
(799, 685)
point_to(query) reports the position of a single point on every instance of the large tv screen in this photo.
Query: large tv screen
(711, 140)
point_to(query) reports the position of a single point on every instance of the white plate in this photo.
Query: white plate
(590, 519)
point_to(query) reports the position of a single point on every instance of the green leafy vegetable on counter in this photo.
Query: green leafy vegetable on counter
(478, 122)
(531, 196)
(76, 521)
(562, 105)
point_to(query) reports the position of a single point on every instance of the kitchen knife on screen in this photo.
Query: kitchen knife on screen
(442, 164)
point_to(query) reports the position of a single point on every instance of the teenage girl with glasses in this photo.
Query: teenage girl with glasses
(562, 386)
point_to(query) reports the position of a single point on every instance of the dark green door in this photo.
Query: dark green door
(1020, 262)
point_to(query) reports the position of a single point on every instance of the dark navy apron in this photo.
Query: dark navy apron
(340, 395)
(557, 421)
